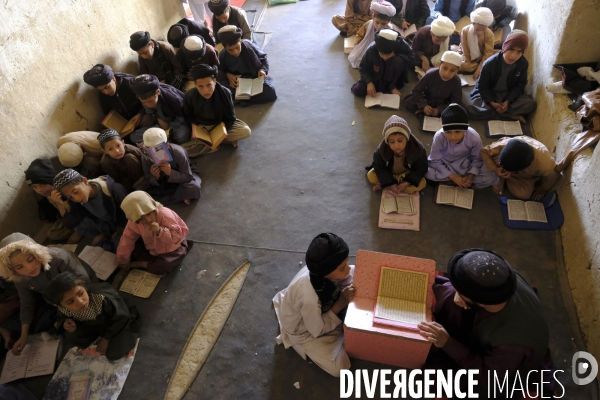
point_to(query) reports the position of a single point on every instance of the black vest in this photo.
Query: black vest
(462, 9)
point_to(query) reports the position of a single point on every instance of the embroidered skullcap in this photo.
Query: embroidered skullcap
(452, 57)
(385, 40)
(383, 7)
(40, 171)
(177, 33)
(108, 135)
(442, 26)
(138, 203)
(70, 155)
(203, 71)
(516, 38)
(325, 253)
(144, 83)
(229, 34)
(154, 136)
(395, 124)
(99, 75)
(483, 16)
(193, 47)
(59, 285)
(516, 155)
(139, 40)
(482, 276)
(65, 177)
(218, 7)
(455, 118)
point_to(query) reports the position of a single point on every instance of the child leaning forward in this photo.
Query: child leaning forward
(162, 232)
(400, 161)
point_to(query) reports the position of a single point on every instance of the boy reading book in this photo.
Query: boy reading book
(382, 14)
(195, 51)
(186, 27)
(410, 12)
(157, 58)
(122, 162)
(504, 12)
(524, 164)
(31, 267)
(173, 181)
(210, 103)
(355, 15)
(243, 59)
(224, 14)
(88, 312)
(456, 152)
(437, 89)
(400, 161)
(431, 42)
(165, 104)
(477, 41)
(311, 309)
(154, 237)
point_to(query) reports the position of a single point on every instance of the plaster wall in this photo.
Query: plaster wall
(553, 124)
(45, 48)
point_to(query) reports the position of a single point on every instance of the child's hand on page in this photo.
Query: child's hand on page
(262, 73)
(371, 91)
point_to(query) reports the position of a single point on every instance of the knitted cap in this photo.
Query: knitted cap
(107, 135)
(516, 155)
(516, 38)
(452, 57)
(483, 16)
(154, 136)
(442, 26)
(64, 177)
(40, 171)
(455, 118)
(395, 124)
(70, 155)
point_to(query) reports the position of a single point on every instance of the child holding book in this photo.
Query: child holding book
(382, 15)
(173, 181)
(477, 41)
(210, 104)
(456, 152)
(431, 42)
(312, 308)
(165, 104)
(400, 161)
(121, 161)
(224, 14)
(438, 88)
(154, 237)
(500, 89)
(524, 163)
(31, 267)
(88, 312)
(95, 205)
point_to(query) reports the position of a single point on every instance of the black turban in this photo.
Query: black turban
(144, 83)
(59, 285)
(325, 253)
(40, 171)
(516, 155)
(218, 7)
(139, 40)
(176, 34)
(482, 276)
(99, 75)
(386, 45)
(193, 47)
(229, 34)
(203, 71)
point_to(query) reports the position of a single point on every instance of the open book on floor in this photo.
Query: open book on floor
(532, 211)
(399, 204)
(248, 88)
(213, 138)
(383, 100)
(498, 129)
(115, 121)
(455, 196)
(140, 283)
(102, 262)
(349, 44)
(394, 219)
(545, 214)
(37, 358)
(432, 124)
(467, 80)
(401, 298)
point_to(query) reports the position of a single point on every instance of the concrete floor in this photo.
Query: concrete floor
(301, 173)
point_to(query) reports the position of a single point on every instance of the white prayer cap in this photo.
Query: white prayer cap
(442, 26)
(383, 7)
(228, 28)
(452, 57)
(70, 155)
(483, 16)
(154, 136)
(388, 34)
(194, 43)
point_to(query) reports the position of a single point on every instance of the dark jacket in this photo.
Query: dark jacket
(490, 73)
(255, 59)
(210, 58)
(46, 210)
(235, 18)
(372, 65)
(198, 28)
(446, 7)
(220, 102)
(126, 171)
(112, 204)
(416, 12)
(124, 101)
(415, 160)
(509, 11)
(171, 101)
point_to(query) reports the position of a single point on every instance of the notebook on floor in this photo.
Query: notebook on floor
(395, 220)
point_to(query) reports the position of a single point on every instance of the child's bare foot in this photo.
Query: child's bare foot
(99, 238)
(521, 118)
(138, 264)
(376, 187)
(498, 186)
(187, 202)
(75, 238)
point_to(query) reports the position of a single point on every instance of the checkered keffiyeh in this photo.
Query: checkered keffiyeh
(64, 177)
(106, 135)
(92, 312)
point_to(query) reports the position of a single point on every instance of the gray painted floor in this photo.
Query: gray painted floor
(302, 173)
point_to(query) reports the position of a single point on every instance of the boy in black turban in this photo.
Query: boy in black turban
(488, 318)
(311, 309)
(224, 14)
(157, 58)
(186, 27)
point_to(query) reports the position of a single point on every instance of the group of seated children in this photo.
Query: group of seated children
(312, 309)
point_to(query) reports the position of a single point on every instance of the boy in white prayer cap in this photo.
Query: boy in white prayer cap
(477, 41)
(431, 42)
(382, 15)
